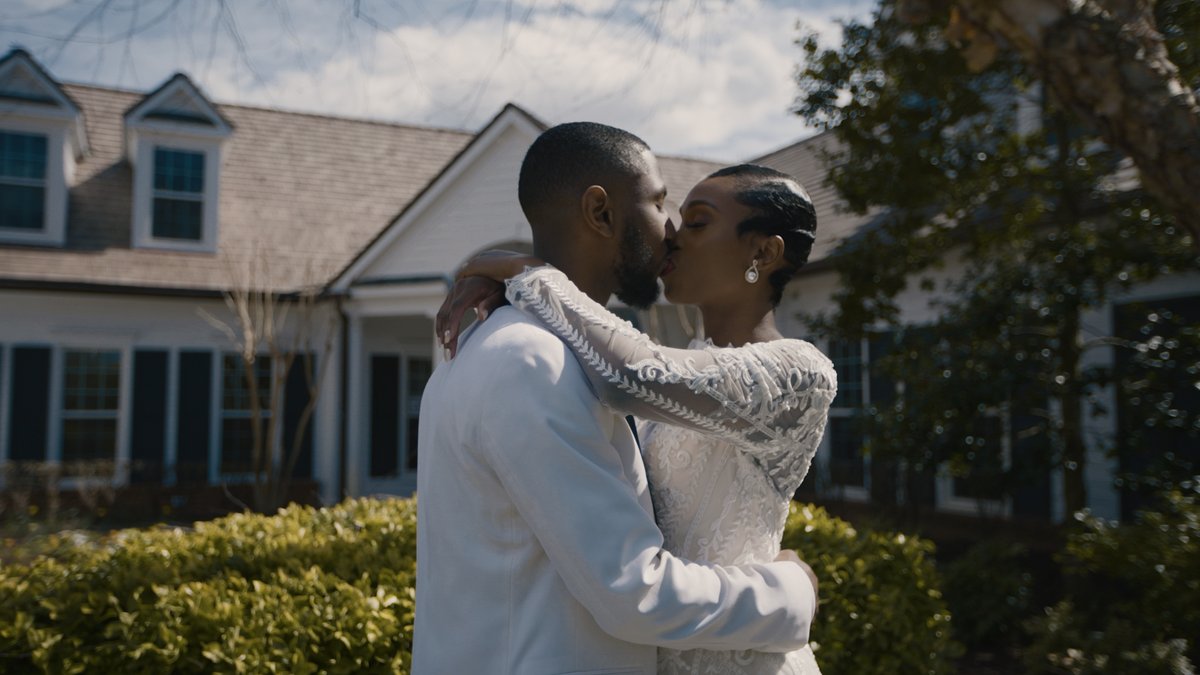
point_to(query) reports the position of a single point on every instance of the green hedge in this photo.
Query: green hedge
(330, 590)
(307, 590)
(881, 608)
(1132, 600)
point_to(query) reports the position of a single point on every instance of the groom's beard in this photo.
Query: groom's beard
(636, 271)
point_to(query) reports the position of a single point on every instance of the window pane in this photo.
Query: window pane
(845, 460)
(237, 445)
(22, 155)
(419, 372)
(236, 390)
(22, 207)
(178, 170)
(847, 361)
(89, 439)
(237, 431)
(92, 381)
(177, 219)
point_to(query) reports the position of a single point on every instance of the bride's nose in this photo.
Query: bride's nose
(670, 229)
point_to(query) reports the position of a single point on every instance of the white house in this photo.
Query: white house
(125, 215)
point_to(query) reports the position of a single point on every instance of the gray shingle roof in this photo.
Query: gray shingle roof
(304, 192)
(680, 174)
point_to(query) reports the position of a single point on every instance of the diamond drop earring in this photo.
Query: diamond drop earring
(752, 273)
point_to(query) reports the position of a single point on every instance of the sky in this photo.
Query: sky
(701, 78)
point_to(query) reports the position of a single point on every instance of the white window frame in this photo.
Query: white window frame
(156, 193)
(854, 493)
(144, 140)
(220, 414)
(407, 414)
(405, 479)
(58, 415)
(949, 501)
(55, 125)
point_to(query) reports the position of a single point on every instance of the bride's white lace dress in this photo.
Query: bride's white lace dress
(727, 436)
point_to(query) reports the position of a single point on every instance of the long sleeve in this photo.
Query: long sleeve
(768, 399)
(547, 443)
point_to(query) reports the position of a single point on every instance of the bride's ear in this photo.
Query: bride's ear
(770, 253)
(598, 211)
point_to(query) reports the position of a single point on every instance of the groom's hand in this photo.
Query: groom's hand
(788, 555)
(472, 292)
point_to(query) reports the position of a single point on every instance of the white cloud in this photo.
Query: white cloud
(710, 78)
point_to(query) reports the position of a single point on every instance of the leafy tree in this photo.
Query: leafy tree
(1123, 67)
(969, 166)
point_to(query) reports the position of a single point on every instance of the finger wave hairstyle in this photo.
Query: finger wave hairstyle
(782, 208)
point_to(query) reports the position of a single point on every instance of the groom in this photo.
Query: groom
(537, 551)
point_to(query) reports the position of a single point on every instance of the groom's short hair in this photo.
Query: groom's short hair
(565, 160)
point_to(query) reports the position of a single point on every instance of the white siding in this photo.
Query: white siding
(479, 209)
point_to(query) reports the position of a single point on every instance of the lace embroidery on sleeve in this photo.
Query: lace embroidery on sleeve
(768, 399)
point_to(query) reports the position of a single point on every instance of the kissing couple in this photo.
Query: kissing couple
(592, 502)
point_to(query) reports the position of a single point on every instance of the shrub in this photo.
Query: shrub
(331, 590)
(1132, 600)
(306, 590)
(989, 590)
(881, 608)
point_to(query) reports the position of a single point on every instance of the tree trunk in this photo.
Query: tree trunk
(1105, 62)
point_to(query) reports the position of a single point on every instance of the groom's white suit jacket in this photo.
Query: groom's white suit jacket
(537, 551)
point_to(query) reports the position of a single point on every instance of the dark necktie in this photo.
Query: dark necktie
(633, 428)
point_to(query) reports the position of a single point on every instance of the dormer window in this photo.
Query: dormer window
(178, 194)
(23, 181)
(41, 137)
(174, 139)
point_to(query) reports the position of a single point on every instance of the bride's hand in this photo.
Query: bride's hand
(478, 285)
(473, 292)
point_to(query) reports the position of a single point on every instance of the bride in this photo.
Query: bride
(728, 427)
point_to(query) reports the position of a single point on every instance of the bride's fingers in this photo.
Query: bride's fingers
(485, 306)
(478, 293)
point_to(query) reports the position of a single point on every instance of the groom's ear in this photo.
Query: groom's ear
(598, 211)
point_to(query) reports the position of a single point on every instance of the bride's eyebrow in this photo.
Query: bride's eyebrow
(698, 202)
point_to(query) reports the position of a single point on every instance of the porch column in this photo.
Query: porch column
(356, 418)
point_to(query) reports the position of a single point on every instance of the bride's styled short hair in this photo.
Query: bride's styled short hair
(782, 208)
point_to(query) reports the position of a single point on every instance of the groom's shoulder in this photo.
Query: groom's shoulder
(510, 342)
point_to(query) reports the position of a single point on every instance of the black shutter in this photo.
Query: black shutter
(149, 419)
(295, 398)
(195, 412)
(385, 416)
(29, 407)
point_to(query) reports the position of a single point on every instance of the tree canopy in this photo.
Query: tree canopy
(970, 165)
(1124, 68)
